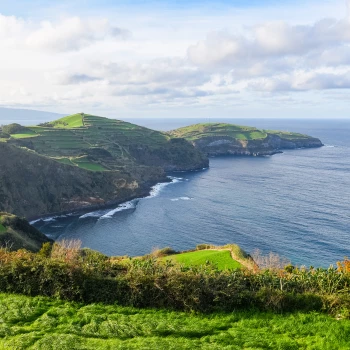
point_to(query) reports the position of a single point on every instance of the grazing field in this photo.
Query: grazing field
(197, 131)
(111, 142)
(42, 323)
(71, 121)
(220, 258)
(238, 132)
(25, 133)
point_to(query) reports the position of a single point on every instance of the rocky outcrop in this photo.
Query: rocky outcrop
(33, 185)
(179, 155)
(272, 144)
(218, 145)
(16, 233)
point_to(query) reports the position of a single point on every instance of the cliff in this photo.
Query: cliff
(216, 139)
(17, 233)
(32, 185)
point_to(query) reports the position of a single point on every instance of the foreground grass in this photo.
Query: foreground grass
(220, 258)
(42, 323)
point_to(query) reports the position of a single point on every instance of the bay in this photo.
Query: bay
(296, 204)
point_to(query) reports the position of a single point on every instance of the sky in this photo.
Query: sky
(166, 59)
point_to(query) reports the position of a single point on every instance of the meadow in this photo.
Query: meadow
(46, 323)
(221, 259)
(64, 297)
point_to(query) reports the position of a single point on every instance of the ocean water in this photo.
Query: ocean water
(296, 204)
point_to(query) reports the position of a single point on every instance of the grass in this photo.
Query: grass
(2, 228)
(238, 132)
(91, 166)
(25, 134)
(220, 258)
(71, 121)
(75, 135)
(42, 323)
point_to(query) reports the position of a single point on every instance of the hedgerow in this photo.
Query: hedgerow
(66, 272)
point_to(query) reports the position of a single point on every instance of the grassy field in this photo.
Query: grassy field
(72, 137)
(26, 133)
(220, 258)
(71, 121)
(197, 131)
(42, 323)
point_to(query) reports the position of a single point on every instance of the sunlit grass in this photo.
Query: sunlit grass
(220, 258)
(41, 323)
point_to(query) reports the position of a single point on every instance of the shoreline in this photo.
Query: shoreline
(113, 205)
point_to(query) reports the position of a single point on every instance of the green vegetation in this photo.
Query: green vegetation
(43, 323)
(287, 134)
(197, 131)
(220, 258)
(24, 134)
(107, 144)
(16, 233)
(71, 121)
(66, 272)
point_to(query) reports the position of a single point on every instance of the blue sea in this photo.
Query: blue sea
(296, 204)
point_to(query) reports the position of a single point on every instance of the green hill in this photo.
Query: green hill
(32, 184)
(99, 144)
(222, 138)
(17, 233)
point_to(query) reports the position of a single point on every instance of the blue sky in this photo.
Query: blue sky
(177, 58)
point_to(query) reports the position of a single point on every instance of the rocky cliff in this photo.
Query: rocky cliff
(17, 233)
(32, 185)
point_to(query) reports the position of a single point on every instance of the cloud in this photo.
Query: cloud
(270, 40)
(302, 81)
(70, 34)
(73, 34)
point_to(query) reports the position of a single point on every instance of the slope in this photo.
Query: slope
(34, 185)
(85, 141)
(17, 233)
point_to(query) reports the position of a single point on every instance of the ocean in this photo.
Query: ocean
(296, 204)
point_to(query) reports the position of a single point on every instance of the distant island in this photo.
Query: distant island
(216, 139)
(85, 161)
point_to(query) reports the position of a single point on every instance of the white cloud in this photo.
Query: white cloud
(269, 40)
(72, 34)
(68, 34)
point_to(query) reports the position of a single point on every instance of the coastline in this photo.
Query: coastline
(152, 191)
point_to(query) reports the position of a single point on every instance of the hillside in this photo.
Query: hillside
(220, 139)
(17, 233)
(100, 144)
(33, 185)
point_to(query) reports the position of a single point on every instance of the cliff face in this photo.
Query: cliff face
(180, 155)
(33, 185)
(272, 144)
(17, 233)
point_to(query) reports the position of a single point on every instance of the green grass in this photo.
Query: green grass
(71, 121)
(25, 134)
(42, 323)
(221, 258)
(73, 136)
(91, 166)
(197, 131)
(2, 228)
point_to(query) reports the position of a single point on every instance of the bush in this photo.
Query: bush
(84, 275)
